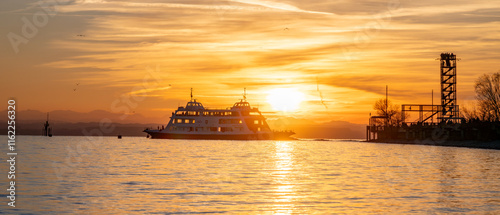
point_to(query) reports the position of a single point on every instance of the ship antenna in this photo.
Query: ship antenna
(245, 93)
(191, 94)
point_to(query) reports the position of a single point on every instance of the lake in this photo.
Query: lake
(133, 175)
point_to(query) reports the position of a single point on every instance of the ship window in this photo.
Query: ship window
(241, 121)
(186, 120)
(258, 129)
(226, 129)
(193, 121)
(191, 128)
(254, 113)
(179, 120)
(219, 129)
(256, 122)
(213, 128)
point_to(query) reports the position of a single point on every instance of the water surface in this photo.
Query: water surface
(69, 175)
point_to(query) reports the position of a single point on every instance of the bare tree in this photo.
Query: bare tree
(488, 96)
(391, 111)
(469, 111)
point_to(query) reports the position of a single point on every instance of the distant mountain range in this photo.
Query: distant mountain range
(73, 116)
(66, 122)
(305, 128)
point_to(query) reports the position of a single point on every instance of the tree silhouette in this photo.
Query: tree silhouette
(393, 112)
(488, 96)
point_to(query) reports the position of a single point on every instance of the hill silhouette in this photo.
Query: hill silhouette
(67, 122)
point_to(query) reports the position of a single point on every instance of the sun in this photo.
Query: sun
(285, 99)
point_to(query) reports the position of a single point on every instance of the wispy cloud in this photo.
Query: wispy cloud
(218, 47)
(147, 91)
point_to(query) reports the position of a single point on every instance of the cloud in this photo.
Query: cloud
(470, 16)
(217, 47)
(146, 91)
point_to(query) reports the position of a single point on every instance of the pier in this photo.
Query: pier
(439, 124)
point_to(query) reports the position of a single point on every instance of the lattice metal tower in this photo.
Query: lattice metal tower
(449, 110)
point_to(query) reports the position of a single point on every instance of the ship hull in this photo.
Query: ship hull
(161, 135)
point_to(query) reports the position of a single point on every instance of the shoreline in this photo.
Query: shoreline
(453, 143)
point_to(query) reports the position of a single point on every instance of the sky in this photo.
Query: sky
(142, 57)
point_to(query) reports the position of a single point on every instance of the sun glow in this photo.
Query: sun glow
(285, 99)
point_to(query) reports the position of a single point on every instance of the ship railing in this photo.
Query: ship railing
(216, 108)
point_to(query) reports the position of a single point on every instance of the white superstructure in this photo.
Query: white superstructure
(239, 122)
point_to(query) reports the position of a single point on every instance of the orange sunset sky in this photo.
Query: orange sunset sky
(146, 55)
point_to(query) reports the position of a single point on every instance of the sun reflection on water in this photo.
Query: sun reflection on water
(284, 190)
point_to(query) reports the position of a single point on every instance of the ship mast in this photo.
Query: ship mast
(245, 94)
(191, 94)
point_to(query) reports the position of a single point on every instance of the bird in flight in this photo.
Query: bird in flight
(74, 89)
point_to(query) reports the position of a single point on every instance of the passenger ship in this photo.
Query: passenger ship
(239, 122)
